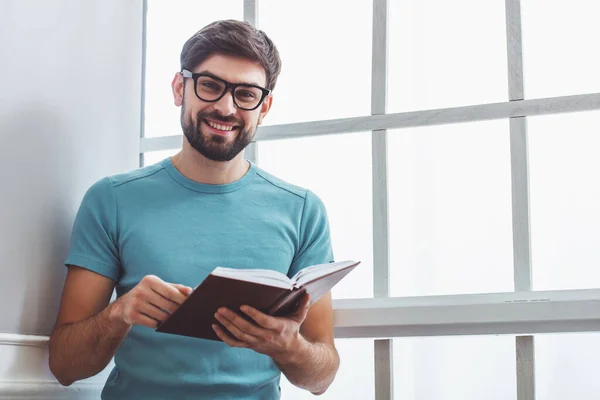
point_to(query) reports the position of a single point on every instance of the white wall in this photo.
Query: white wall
(70, 90)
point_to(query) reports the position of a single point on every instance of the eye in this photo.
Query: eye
(245, 94)
(210, 85)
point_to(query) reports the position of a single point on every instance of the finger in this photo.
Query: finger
(248, 326)
(158, 301)
(226, 338)
(186, 290)
(263, 320)
(170, 293)
(145, 320)
(239, 332)
(153, 312)
(166, 290)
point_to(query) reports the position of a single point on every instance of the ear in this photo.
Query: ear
(177, 87)
(265, 107)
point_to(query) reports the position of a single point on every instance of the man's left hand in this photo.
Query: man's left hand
(276, 337)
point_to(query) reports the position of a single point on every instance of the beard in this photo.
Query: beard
(212, 146)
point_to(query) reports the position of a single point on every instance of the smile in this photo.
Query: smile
(219, 126)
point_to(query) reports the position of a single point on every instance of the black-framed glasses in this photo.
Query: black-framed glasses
(211, 88)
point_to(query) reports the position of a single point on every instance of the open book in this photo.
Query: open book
(268, 291)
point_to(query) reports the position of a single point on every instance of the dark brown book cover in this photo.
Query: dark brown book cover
(195, 316)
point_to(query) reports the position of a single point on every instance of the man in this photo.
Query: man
(158, 231)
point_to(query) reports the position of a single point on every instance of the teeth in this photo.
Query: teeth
(219, 127)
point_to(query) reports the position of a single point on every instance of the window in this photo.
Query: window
(156, 156)
(355, 378)
(452, 213)
(465, 368)
(338, 170)
(565, 193)
(558, 45)
(446, 53)
(565, 366)
(169, 25)
(326, 63)
(450, 209)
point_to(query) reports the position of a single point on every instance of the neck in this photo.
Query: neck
(198, 168)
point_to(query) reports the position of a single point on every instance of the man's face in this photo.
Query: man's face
(220, 130)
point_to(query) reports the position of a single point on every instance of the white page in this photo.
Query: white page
(262, 276)
(309, 273)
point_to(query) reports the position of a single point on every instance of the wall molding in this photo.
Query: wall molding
(49, 390)
(24, 372)
(13, 339)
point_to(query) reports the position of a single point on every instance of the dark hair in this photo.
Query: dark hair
(236, 38)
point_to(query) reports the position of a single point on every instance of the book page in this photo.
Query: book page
(261, 276)
(310, 273)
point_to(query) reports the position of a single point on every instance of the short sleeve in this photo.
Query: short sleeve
(315, 239)
(94, 235)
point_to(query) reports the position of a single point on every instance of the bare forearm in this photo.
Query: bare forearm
(312, 366)
(82, 349)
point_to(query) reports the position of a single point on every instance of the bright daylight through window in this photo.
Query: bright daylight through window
(453, 189)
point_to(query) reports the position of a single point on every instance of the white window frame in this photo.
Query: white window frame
(523, 312)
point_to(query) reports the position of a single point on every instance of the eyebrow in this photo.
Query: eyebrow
(206, 72)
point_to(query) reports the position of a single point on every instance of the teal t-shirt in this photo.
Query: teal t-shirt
(156, 221)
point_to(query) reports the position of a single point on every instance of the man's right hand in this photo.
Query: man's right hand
(150, 302)
(89, 330)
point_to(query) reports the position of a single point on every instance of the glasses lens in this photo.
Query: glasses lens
(209, 89)
(247, 97)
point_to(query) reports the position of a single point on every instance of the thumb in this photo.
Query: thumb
(183, 289)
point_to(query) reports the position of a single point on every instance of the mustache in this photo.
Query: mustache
(218, 117)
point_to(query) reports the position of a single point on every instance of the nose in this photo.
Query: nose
(225, 105)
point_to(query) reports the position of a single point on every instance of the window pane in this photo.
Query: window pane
(326, 58)
(337, 168)
(558, 47)
(455, 368)
(354, 380)
(169, 25)
(566, 366)
(446, 53)
(152, 157)
(565, 194)
(450, 209)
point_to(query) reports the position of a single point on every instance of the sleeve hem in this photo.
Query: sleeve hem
(93, 265)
